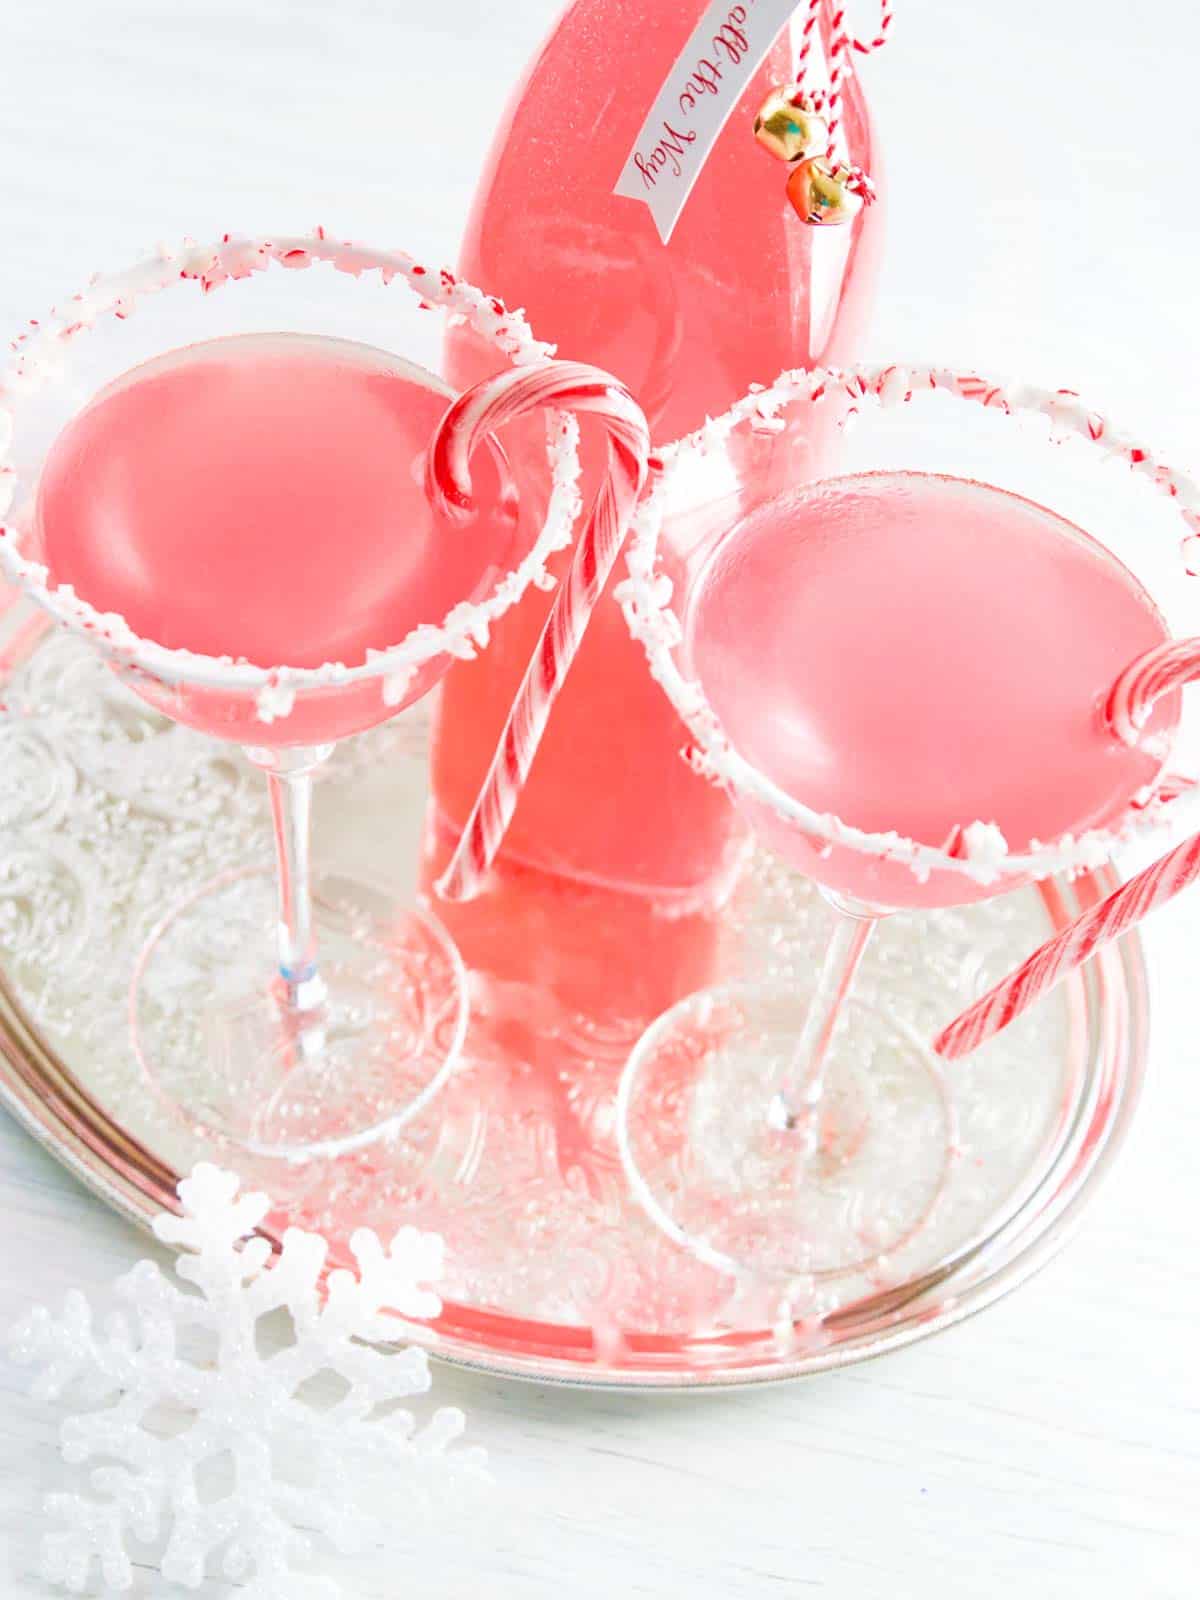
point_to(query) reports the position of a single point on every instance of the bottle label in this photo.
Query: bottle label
(726, 49)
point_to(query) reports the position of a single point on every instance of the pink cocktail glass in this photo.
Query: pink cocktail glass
(906, 681)
(241, 528)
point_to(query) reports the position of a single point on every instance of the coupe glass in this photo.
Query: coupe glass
(233, 1018)
(905, 680)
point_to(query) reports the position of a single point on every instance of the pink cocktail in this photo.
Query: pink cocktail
(912, 653)
(261, 498)
(241, 528)
(906, 682)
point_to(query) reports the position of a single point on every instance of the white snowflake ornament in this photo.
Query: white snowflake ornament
(201, 1439)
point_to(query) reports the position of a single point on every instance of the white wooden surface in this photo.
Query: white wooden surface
(1042, 170)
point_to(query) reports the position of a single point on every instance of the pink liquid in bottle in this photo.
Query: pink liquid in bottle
(911, 652)
(741, 290)
(261, 497)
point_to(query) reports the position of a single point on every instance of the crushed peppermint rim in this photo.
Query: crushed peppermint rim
(36, 363)
(981, 851)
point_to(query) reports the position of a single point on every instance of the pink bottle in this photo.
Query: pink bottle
(741, 289)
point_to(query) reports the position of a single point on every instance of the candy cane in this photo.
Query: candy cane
(1158, 672)
(1123, 909)
(1145, 681)
(471, 418)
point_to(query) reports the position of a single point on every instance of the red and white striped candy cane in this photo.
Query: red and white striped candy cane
(1123, 909)
(477, 413)
(1144, 682)
(1169, 666)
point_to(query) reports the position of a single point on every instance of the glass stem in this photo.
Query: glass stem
(798, 1096)
(289, 783)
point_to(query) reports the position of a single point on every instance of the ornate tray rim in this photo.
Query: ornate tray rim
(49, 1102)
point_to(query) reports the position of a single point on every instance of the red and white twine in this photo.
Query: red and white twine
(475, 415)
(839, 51)
(808, 33)
(841, 43)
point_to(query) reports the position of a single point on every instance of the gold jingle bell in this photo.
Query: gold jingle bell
(825, 192)
(788, 125)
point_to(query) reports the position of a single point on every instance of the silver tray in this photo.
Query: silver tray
(107, 811)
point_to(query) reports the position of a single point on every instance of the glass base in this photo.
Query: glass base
(829, 1189)
(347, 1061)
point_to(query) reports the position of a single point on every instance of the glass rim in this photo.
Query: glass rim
(646, 600)
(461, 633)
